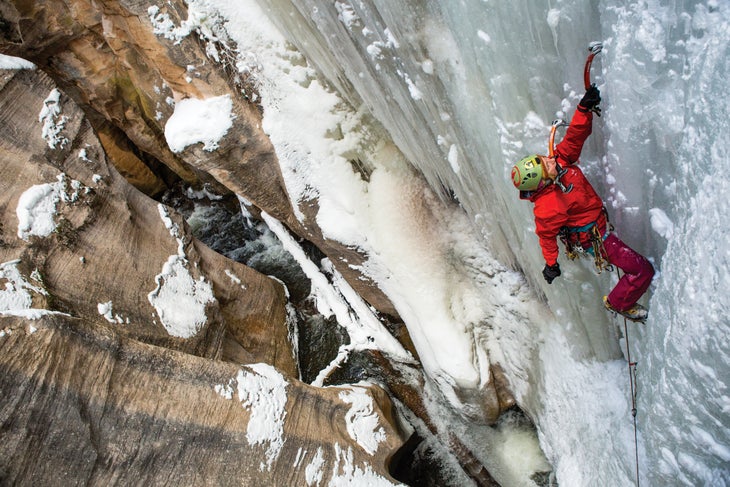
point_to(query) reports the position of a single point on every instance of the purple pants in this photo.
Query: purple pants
(637, 273)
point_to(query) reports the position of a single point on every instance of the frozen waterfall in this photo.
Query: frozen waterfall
(465, 88)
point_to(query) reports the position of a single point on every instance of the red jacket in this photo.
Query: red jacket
(581, 206)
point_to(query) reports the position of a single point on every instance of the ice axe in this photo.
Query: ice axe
(593, 48)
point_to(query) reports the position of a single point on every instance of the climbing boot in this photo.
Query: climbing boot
(635, 313)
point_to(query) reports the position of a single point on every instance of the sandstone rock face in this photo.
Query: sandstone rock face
(151, 416)
(105, 56)
(114, 255)
(116, 325)
(111, 244)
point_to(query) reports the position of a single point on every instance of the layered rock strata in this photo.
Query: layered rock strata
(118, 329)
(105, 56)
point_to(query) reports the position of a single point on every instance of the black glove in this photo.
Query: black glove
(590, 99)
(550, 272)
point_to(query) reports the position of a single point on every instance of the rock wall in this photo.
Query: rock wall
(110, 242)
(105, 56)
(151, 416)
(101, 380)
(113, 247)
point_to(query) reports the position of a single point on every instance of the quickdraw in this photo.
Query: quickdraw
(574, 249)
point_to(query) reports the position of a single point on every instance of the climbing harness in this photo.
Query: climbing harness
(570, 236)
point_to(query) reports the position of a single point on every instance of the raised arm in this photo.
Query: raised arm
(569, 149)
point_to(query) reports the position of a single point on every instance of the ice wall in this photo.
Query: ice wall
(465, 88)
(671, 60)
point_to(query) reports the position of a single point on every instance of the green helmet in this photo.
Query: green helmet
(527, 173)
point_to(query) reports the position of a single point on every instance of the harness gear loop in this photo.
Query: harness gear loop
(570, 236)
(599, 251)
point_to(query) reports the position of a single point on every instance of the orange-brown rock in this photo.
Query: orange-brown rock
(106, 57)
(103, 55)
(83, 405)
(111, 243)
(103, 395)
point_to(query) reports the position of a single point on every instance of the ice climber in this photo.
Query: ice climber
(567, 206)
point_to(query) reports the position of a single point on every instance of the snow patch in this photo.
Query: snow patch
(17, 292)
(16, 296)
(363, 424)
(10, 62)
(84, 156)
(346, 474)
(313, 473)
(180, 300)
(36, 209)
(454, 158)
(484, 37)
(206, 24)
(106, 310)
(263, 393)
(225, 390)
(553, 18)
(661, 223)
(199, 121)
(53, 121)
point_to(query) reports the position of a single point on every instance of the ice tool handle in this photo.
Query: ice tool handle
(551, 153)
(593, 48)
